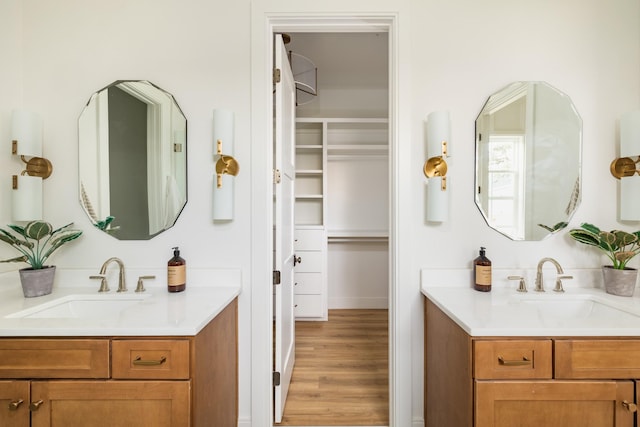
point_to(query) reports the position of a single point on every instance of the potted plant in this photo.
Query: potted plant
(620, 247)
(37, 280)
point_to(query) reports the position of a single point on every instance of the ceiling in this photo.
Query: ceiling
(346, 60)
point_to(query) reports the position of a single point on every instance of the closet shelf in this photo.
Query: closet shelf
(313, 147)
(337, 236)
(309, 196)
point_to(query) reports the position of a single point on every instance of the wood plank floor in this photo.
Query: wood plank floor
(341, 375)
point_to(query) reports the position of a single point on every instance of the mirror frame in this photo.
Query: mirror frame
(518, 92)
(165, 128)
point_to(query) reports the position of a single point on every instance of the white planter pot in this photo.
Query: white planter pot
(36, 283)
(619, 282)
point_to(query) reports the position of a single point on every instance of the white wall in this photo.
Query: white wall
(454, 54)
(11, 90)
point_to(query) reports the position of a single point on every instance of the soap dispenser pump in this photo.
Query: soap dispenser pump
(176, 272)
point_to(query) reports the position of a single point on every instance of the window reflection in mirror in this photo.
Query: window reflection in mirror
(528, 160)
(132, 160)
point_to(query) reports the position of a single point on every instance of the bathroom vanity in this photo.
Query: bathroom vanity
(171, 360)
(505, 360)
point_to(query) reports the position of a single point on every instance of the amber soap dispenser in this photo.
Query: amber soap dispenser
(176, 272)
(482, 272)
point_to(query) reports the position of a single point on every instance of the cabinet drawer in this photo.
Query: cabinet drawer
(553, 403)
(310, 262)
(512, 359)
(308, 305)
(150, 359)
(308, 283)
(54, 358)
(604, 359)
(309, 239)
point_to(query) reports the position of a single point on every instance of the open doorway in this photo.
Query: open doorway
(342, 233)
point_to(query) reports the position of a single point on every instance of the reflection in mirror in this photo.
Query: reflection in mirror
(132, 160)
(528, 160)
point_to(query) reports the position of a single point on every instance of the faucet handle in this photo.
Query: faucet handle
(140, 287)
(559, 287)
(104, 287)
(522, 286)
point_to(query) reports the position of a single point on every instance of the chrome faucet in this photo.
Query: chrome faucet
(559, 277)
(122, 285)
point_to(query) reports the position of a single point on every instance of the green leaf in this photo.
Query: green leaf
(37, 229)
(623, 238)
(60, 240)
(590, 227)
(22, 258)
(585, 236)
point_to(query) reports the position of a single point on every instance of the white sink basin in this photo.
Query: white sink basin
(82, 306)
(562, 306)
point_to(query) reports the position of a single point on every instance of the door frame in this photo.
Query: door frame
(263, 25)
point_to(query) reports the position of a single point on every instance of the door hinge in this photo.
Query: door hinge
(276, 379)
(276, 176)
(276, 277)
(276, 75)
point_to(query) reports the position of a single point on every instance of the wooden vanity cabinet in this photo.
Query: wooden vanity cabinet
(123, 381)
(526, 381)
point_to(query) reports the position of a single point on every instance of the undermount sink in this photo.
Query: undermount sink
(81, 306)
(562, 306)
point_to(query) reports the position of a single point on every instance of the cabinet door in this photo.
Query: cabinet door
(111, 403)
(554, 403)
(14, 403)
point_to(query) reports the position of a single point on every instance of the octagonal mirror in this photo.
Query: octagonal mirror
(132, 160)
(528, 160)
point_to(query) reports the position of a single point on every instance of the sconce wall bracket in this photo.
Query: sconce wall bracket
(624, 167)
(36, 166)
(437, 166)
(225, 164)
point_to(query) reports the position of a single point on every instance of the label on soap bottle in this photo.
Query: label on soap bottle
(176, 275)
(483, 275)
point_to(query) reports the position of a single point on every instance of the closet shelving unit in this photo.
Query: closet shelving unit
(338, 197)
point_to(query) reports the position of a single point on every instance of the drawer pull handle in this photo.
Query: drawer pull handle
(34, 406)
(631, 407)
(139, 361)
(522, 362)
(13, 406)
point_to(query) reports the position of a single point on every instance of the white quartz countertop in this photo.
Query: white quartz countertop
(159, 313)
(505, 312)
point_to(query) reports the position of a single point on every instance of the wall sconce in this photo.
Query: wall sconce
(223, 190)
(435, 168)
(625, 167)
(26, 136)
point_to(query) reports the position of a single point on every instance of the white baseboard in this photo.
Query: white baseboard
(358, 303)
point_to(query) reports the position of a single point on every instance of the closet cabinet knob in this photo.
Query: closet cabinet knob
(13, 406)
(34, 406)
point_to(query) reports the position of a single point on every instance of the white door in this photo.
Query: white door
(284, 158)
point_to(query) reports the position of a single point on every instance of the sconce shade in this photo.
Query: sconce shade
(625, 167)
(26, 199)
(437, 200)
(438, 130)
(223, 147)
(435, 168)
(223, 126)
(26, 129)
(223, 200)
(630, 134)
(630, 198)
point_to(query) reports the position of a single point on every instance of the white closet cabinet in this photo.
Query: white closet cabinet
(341, 215)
